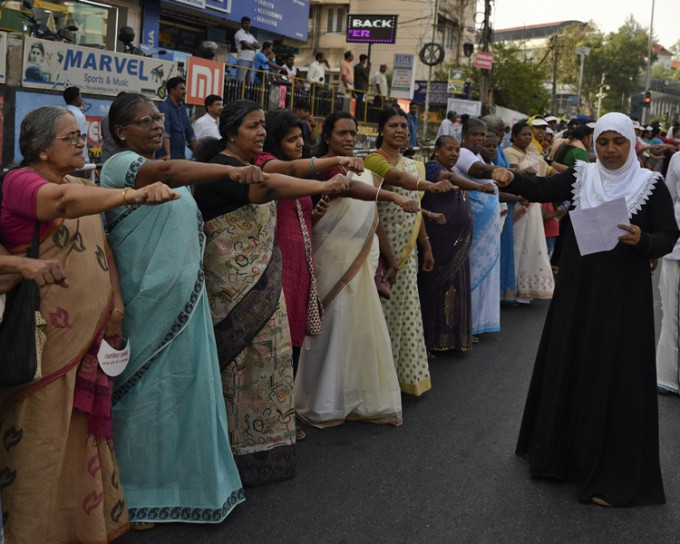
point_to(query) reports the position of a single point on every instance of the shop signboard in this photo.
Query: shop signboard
(288, 18)
(472, 107)
(403, 76)
(438, 94)
(204, 77)
(56, 66)
(371, 28)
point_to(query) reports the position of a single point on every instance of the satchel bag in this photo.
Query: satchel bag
(21, 332)
(315, 309)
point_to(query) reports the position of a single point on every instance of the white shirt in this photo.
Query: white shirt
(244, 36)
(446, 128)
(673, 183)
(291, 72)
(81, 121)
(380, 79)
(206, 126)
(465, 161)
(316, 72)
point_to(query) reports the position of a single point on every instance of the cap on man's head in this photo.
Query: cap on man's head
(551, 118)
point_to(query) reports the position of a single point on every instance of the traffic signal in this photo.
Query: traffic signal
(648, 99)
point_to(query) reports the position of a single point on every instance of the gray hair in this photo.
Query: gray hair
(38, 131)
(493, 121)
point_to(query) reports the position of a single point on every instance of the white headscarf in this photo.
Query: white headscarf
(596, 185)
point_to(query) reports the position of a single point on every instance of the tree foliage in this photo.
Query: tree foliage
(620, 56)
(515, 82)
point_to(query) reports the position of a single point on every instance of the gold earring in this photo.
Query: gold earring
(43, 157)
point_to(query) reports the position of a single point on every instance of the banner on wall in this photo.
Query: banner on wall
(94, 109)
(3, 56)
(56, 66)
(204, 77)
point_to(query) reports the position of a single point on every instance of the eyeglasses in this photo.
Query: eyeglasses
(73, 137)
(148, 120)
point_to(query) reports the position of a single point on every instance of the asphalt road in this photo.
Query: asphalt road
(448, 475)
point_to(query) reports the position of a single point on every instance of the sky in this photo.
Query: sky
(608, 15)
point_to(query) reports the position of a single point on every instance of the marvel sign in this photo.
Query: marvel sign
(371, 28)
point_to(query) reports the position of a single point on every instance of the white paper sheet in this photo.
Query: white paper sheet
(596, 228)
(112, 361)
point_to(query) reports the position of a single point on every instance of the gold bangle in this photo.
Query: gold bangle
(418, 183)
(421, 240)
(125, 202)
(121, 312)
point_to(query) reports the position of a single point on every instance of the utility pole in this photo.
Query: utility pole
(555, 48)
(485, 47)
(645, 111)
(582, 52)
(435, 17)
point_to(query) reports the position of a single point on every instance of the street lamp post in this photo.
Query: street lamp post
(582, 52)
(645, 111)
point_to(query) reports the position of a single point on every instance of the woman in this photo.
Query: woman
(58, 452)
(579, 141)
(402, 309)
(667, 368)
(347, 372)
(445, 292)
(283, 150)
(533, 273)
(173, 375)
(486, 232)
(243, 277)
(591, 413)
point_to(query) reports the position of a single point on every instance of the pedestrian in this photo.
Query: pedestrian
(359, 381)
(591, 415)
(243, 281)
(58, 429)
(667, 369)
(74, 104)
(291, 72)
(178, 130)
(412, 117)
(303, 110)
(380, 87)
(168, 398)
(347, 74)
(486, 231)
(246, 47)
(402, 310)
(446, 126)
(361, 86)
(206, 125)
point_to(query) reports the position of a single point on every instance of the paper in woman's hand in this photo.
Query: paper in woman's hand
(596, 229)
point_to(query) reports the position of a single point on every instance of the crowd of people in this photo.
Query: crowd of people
(264, 286)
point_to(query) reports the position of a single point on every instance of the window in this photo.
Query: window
(337, 20)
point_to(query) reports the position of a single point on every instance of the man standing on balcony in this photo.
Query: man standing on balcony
(347, 74)
(380, 82)
(361, 86)
(246, 46)
(317, 69)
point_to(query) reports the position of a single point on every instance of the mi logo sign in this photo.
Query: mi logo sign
(204, 77)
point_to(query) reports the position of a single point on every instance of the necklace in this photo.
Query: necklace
(234, 155)
(391, 157)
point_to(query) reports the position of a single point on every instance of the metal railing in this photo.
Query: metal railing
(273, 90)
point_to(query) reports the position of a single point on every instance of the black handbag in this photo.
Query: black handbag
(21, 334)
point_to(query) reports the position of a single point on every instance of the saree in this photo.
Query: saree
(347, 372)
(402, 310)
(168, 403)
(60, 482)
(243, 276)
(445, 291)
(533, 273)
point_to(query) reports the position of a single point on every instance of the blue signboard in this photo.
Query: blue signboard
(152, 18)
(283, 17)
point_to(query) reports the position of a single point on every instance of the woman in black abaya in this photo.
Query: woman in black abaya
(591, 413)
